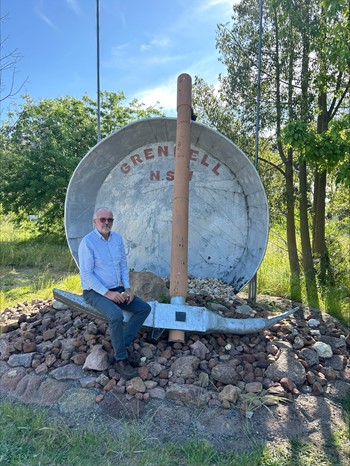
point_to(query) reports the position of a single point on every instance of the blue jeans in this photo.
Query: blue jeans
(121, 336)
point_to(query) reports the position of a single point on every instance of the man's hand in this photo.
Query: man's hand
(118, 298)
(125, 297)
(130, 295)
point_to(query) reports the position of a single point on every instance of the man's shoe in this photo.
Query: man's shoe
(134, 359)
(125, 369)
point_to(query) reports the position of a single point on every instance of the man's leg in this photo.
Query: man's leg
(140, 311)
(115, 319)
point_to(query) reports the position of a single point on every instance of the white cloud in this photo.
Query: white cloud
(162, 59)
(73, 4)
(165, 93)
(160, 42)
(46, 20)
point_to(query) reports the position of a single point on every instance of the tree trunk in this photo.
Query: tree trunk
(319, 210)
(295, 286)
(309, 271)
(319, 243)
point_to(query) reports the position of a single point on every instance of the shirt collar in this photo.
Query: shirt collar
(101, 236)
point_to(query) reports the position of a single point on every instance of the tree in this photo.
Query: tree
(8, 65)
(44, 145)
(301, 71)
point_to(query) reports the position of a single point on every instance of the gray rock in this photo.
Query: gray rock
(224, 373)
(188, 394)
(185, 367)
(97, 360)
(155, 368)
(333, 342)
(59, 306)
(310, 355)
(286, 365)
(68, 372)
(157, 392)
(313, 323)
(148, 286)
(199, 349)
(323, 349)
(24, 359)
(229, 393)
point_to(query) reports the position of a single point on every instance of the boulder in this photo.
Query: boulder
(148, 286)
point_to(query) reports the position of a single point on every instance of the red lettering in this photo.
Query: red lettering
(193, 154)
(216, 168)
(169, 175)
(125, 168)
(163, 150)
(204, 161)
(148, 154)
(155, 175)
(136, 159)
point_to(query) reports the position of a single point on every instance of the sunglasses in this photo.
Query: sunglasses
(105, 220)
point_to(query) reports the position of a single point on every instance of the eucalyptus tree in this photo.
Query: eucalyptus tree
(43, 143)
(293, 73)
(238, 44)
(322, 140)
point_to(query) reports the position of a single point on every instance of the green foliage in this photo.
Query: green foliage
(329, 150)
(42, 145)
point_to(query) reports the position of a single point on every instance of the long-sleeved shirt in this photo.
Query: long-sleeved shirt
(102, 262)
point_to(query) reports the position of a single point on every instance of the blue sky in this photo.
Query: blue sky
(144, 46)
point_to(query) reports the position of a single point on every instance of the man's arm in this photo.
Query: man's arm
(89, 279)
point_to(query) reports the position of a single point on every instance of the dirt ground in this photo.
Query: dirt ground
(308, 418)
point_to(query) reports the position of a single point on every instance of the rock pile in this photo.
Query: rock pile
(302, 354)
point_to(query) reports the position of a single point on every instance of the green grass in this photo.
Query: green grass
(274, 277)
(29, 436)
(31, 266)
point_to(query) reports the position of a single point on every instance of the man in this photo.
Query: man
(105, 280)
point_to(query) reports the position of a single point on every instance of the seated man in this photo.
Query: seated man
(105, 281)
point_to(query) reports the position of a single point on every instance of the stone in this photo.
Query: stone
(229, 393)
(310, 355)
(253, 387)
(185, 366)
(59, 306)
(97, 360)
(24, 360)
(323, 349)
(244, 309)
(313, 323)
(337, 362)
(135, 385)
(333, 342)
(203, 380)
(157, 392)
(225, 373)
(199, 349)
(287, 365)
(155, 368)
(188, 394)
(68, 372)
(148, 286)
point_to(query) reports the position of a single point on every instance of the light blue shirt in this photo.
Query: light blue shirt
(102, 262)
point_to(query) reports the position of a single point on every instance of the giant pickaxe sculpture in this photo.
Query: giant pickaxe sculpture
(177, 316)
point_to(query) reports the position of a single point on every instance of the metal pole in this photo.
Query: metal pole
(98, 70)
(179, 240)
(253, 282)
